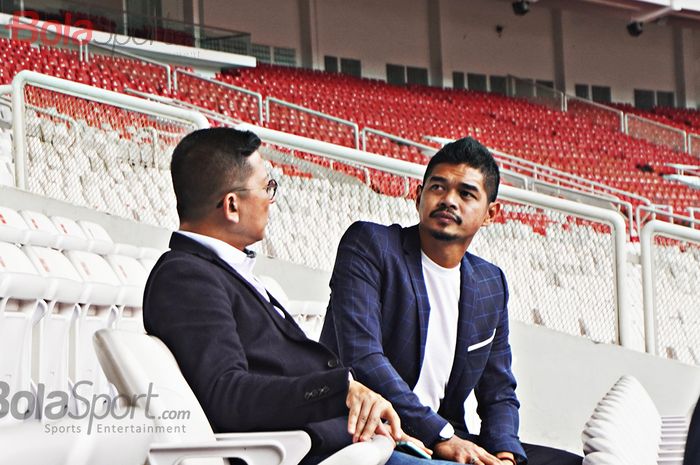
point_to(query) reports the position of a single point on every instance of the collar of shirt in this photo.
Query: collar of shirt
(242, 262)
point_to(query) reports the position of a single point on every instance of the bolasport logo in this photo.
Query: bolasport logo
(100, 414)
(26, 25)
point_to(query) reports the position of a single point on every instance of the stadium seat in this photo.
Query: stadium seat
(13, 228)
(21, 308)
(73, 236)
(121, 356)
(626, 425)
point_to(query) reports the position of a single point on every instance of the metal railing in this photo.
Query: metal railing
(187, 105)
(536, 93)
(655, 132)
(650, 295)
(128, 102)
(258, 97)
(601, 114)
(354, 126)
(427, 150)
(664, 211)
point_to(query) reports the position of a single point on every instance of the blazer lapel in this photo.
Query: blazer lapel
(412, 253)
(286, 325)
(467, 304)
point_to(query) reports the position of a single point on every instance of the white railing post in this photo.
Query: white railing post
(646, 240)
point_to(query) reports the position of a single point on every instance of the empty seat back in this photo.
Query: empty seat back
(13, 228)
(41, 229)
(72, 235)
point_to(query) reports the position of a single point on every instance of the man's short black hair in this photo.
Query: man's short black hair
(470, 152)
(205, 164)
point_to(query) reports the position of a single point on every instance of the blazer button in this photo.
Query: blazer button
(333, 363)
(325, 390)
(308, 395)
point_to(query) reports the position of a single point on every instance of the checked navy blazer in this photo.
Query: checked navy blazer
(377, 321)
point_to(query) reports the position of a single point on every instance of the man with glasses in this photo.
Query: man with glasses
(249, 364)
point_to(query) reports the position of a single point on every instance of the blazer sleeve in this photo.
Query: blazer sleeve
(190, 305)
(356, 305)
(495, 391)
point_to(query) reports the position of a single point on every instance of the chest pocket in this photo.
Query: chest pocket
(483, 343)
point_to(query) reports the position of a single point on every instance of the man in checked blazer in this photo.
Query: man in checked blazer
(249, 364)
(423, 322)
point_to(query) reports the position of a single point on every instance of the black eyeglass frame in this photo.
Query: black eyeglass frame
(272, 185)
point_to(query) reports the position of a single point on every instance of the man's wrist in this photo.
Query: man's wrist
(507, 456)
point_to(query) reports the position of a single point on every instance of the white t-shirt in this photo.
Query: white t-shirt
(443, 286)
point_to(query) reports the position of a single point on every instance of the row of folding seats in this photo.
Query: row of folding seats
(59, 232)
(52, 302)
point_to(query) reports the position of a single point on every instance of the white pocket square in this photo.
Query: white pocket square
(481, 344)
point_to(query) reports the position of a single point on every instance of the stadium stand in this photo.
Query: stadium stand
(64, 279)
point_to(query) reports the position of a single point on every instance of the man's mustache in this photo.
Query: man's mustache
(443, 210)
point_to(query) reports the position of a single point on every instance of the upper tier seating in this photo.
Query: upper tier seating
(581, 144)
(577, 144)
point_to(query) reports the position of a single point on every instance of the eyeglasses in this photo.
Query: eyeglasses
(270, 190)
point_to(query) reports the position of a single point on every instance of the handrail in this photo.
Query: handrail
(646, 236)
(624, 320)
(87, 92)
(242, 90)
(181, 103)
(167, 67)
(396, 138)
(657, 124)
(654, 210)
(600, 106)
(352, 124)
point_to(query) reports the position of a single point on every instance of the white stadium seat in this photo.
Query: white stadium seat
(73, 236)
(12, 227)
(41, 229)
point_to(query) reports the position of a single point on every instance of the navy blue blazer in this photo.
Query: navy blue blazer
(250, 369)
(377, 321)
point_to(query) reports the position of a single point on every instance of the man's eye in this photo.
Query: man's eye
(435, 187)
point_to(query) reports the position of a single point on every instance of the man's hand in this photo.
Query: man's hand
(367, 410)
(462, 451)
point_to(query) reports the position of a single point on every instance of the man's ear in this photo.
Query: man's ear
(419, 191)
(231, 207)
(492, 213)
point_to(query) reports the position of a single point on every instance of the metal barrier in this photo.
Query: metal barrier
(655, 132)
(546, 245)
(694, 145)
(670, 276)
(340, 121)
(96, 148)
(536, 93)
(601, 115)
(226, 88)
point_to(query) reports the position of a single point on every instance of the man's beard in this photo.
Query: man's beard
(444, 237)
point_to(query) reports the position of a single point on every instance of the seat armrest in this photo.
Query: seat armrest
(269, 448)
(374, 452)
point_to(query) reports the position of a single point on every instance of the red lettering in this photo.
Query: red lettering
(84, 34)
(46, 29)
(17, 25)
